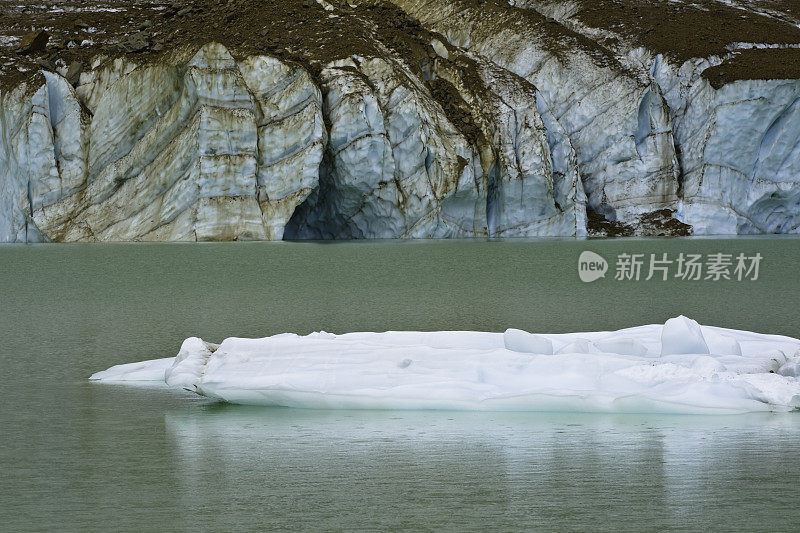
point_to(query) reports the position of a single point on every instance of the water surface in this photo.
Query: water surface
(84, 456)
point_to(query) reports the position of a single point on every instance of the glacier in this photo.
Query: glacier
(400, 119)
(678, 367)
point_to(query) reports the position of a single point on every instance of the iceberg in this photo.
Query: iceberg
(678, 367)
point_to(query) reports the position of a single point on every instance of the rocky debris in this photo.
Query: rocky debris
(662, 223)
(73, 72)
(33, 42)
(599, 226)
(45, 63)
(135, 43)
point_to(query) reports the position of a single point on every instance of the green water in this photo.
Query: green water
(76, 455)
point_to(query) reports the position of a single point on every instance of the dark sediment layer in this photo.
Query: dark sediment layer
(702, 29)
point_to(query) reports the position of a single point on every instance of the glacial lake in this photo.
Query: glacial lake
(76, 455)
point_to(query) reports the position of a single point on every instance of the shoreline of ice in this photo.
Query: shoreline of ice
(679, 367)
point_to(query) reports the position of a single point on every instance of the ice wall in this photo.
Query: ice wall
(437, 119)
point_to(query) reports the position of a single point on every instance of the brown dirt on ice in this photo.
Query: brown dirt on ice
(682, 30)
(295, 30)
(304, 31)
(685, 30)
(755, 64)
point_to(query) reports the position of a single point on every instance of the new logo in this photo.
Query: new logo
(591, 267)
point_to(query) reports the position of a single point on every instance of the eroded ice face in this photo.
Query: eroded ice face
(678, 367)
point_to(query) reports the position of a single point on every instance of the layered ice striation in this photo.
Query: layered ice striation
(210, 149)
(678, 367)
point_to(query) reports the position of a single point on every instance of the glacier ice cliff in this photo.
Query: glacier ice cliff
(677, 367)
(321, 119)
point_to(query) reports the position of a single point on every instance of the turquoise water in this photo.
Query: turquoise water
(84, 456)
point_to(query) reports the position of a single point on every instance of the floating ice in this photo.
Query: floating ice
(145, 371)
(680, 367)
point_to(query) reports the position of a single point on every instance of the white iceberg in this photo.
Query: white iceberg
(679, 367)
